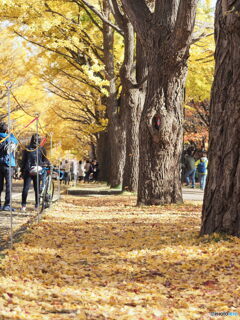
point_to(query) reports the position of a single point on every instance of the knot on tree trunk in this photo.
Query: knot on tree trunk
(162, 128)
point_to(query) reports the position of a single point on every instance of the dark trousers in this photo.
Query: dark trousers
(26, 185)
(66, 177)
(87, 175)
(5, 175)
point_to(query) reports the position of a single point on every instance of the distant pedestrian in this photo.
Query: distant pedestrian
(75, 170)
(202, 165)
(88, 171)
(8, 145)
(190, 169)
(67, 172)
(81, 171)
(95, 169)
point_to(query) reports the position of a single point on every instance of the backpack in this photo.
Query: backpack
(202, 167)
(4, 148)
(4, 152)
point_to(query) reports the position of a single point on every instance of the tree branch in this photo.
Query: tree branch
(201, 36)
(117, 13)
(184, 23)
(43, 46)
(100, 15)
(139, 15)
(89, 14)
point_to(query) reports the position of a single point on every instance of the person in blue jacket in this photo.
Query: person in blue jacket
(8, 145)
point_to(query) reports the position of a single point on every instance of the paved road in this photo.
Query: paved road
(93, 190)
(192, 194)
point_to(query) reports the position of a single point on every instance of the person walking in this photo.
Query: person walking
(67, 172)
(88, 171)
(81, 172)
(202, 165)
(95, 169)
(190, 168)
(75, 170)
(30, 169)
(8, 145)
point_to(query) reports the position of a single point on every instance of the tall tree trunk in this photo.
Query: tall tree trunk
(103, 156)
(117, 138)
(92, 152)
(221, 207)
(165, 34)
(133, 111)
(116, 126)
(134, 108)
(161, 134)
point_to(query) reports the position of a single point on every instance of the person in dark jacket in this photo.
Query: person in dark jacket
(8, 145)
(190, 168)
(95, 169)
(29, 163)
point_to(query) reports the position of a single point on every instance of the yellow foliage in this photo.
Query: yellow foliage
(201, 62)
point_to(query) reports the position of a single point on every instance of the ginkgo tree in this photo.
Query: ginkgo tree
(85, 38)
(70, 31)
(12, 68)
(80, 60)
(73, 100)
(29, 98)
(222, 195)
(199, 80)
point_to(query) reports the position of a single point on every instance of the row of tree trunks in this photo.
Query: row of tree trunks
(125, 116)
(221, 207)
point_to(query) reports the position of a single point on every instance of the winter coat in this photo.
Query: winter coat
(202, 162)
(29, 158)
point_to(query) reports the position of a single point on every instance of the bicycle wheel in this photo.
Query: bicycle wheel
(50, 192)
(47, 194)
(43, 197)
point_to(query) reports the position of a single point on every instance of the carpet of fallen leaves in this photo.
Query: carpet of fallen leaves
(103, 258)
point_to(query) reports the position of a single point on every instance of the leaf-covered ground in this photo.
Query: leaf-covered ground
(103, 258)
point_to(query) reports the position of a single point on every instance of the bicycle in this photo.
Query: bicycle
(47, 191)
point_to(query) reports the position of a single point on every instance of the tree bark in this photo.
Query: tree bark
(133, 111)
(161, 135)
(103, 156)
(116, 132)
(221, 207)
(134, 106)
(117, 138)
(165, 35)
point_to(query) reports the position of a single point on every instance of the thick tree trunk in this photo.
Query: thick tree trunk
(221, 207)
(165, 34)
(161, 133)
